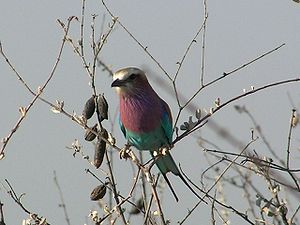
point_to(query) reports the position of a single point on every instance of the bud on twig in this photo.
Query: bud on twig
(138, 208)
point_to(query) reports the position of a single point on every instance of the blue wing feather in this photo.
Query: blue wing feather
(166, 122)
(122, 126)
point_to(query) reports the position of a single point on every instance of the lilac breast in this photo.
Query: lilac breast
(140, 114)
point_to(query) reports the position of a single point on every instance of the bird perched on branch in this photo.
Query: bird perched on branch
(145, 119)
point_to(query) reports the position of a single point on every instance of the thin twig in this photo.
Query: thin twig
(107, 186)
(222, 132)
(40, 89)
(203, 45)
(217, 180)
(213, 220)
(114, 188)
(242, 215)
(253, 159)
(17, 200)
(157, 200)
(289, 139)
(294, 214)
(143, 179)
(15, 197)
(278, 178)
(125, 199)
(254, 60)
(63, 205)
(81, 43)
(259, 130)
(1, 214)
(230, 164)
(180, 63)
(150, 204)
(145, 48)
(288, 148)
(199, 124)
(229, 73)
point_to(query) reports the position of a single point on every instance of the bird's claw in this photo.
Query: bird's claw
(161, 151)
(125, 152)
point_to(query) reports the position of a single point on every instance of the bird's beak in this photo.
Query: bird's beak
(118, 83)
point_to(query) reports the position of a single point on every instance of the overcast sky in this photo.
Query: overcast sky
(237, 32)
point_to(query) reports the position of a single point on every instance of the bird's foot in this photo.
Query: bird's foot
(125, 152)
(162, 151)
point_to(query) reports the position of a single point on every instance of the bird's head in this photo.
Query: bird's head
(129, 80)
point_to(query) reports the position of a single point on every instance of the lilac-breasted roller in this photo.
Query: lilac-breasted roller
(145, 119)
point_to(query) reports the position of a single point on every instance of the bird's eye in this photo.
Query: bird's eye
(132, 76)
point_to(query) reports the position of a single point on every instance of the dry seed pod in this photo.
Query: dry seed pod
(98, 192)
(102, 107)
(100, 149)
(89, 108)
(89, 135)
(139, 207)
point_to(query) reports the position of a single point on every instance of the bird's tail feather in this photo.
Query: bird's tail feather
(170, 186)
(191, 189)
(167, 164)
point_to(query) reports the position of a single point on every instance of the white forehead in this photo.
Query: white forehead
(124, 73)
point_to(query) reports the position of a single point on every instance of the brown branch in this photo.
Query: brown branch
(17, 200)
(242, 215)
(180, 63)
(213, 220)
(288, 149)
(199, 124)
(108, 187)
(289, 139)
(258, 128)
(254, 60)
(226, 74)
(40, 89)
(157, 200)
(145, 48)
(281, 181)
(124, 199)
(114, 189)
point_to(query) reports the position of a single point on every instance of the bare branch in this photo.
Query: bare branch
(254, 60)
(1, 214)
(145, 48)
(63, 205)
(40, 89)
(205, 118)
(17, 200)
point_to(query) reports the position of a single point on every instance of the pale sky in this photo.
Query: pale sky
(237, 32)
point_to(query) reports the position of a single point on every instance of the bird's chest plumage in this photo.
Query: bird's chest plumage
(142, 120)
(140, 115)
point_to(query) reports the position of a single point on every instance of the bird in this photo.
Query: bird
(146, 120)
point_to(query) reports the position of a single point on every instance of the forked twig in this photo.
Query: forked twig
(17, 200)
(199, 124)
(145, 48)
(24, 111)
